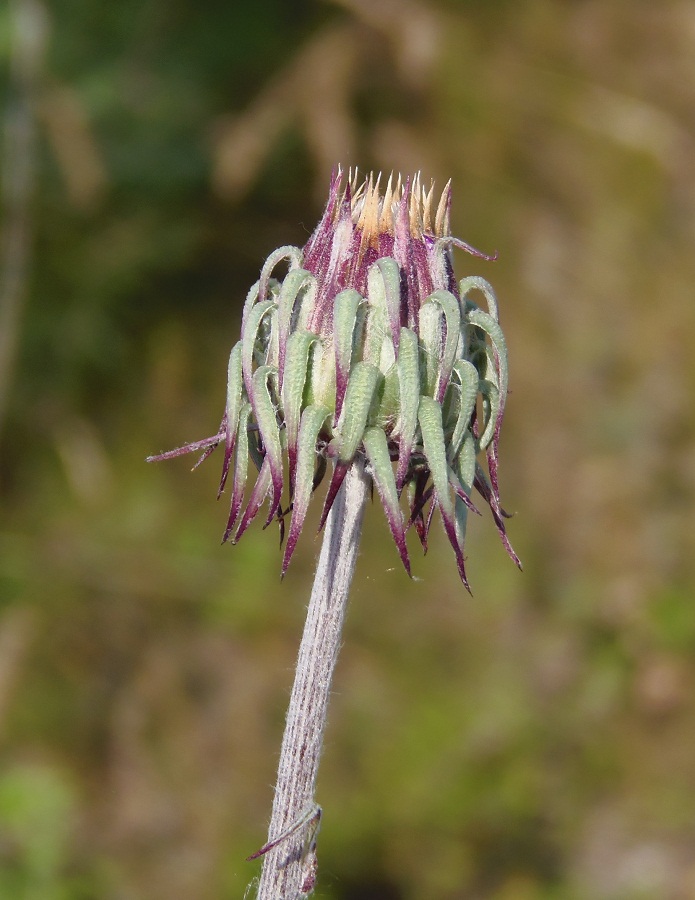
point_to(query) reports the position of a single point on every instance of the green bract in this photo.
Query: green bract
(367, 347)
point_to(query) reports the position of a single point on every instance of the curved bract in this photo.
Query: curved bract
(367, 347)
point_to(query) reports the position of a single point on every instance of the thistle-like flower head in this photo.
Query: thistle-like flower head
(366, 347)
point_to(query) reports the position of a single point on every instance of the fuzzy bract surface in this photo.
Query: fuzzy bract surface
(363, 344)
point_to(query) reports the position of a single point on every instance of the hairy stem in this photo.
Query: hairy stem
(289, 867)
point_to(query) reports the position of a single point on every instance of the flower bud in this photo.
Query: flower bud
(367, 347)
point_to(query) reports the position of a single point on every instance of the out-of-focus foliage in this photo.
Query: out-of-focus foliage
(535, 742)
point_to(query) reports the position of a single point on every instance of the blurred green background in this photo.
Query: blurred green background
(534, 741)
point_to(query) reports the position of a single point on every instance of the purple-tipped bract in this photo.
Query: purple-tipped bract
(367, 347)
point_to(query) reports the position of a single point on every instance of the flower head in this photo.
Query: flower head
(367, 347)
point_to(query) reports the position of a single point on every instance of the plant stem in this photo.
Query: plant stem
(289, 866)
